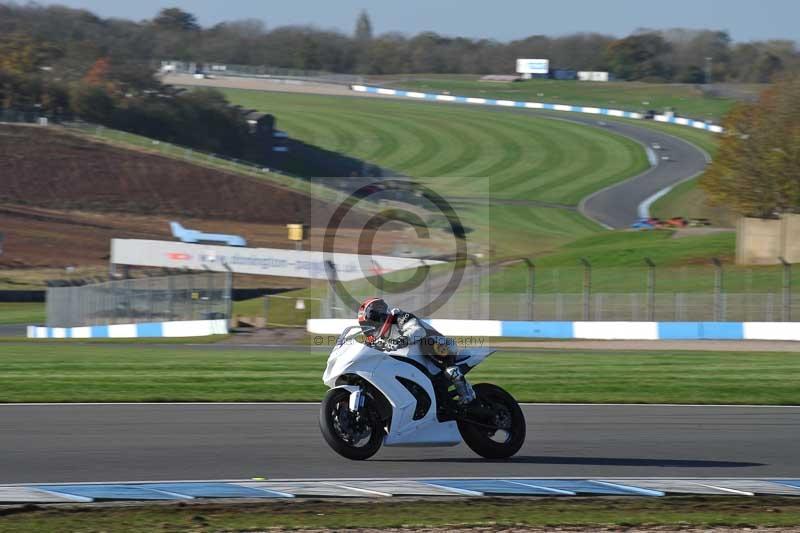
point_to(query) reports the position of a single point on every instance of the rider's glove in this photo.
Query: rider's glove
(395, 344)
(395, 311)
(379, 344)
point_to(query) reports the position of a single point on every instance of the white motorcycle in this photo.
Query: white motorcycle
(402, 398)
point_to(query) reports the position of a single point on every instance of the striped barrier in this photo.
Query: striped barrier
(382, 488)
(780, 331)
(187, 328)
(699, 124)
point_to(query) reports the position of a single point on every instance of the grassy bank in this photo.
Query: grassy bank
(618, 265)
(450, 514)
(51, 372)
(526, 159)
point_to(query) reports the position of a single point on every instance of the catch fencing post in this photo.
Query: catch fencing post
(150, 299)
(651, 289)
(787, 290)
(171, 295)
(228, 296)
(587, 289)
(330, 271)
(719, 312)
(210, 291)
(475, 287)
(531, 286)
(131, 306)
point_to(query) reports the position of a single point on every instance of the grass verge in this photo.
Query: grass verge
(443, 514)
(689, 200)
(46, 372)
(22, 313)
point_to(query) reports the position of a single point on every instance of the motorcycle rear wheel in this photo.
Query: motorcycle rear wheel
(501, 443)
(354, 437)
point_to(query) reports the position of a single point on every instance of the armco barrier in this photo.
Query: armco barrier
(699, 124)
(785, 331)
(188, 328)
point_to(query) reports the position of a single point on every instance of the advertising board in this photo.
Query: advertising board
(263, 261)
(533, 66)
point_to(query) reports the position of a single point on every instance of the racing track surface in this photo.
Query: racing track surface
(130, 442)
(616, 206)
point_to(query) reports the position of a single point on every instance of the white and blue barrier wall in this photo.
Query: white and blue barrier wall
(186, 328)
(699, 124)
(785, 331)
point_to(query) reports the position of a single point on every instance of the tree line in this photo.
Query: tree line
(41, 78)
(756, 170)
(676, 55)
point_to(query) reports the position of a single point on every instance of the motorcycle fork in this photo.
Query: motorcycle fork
(356, 400)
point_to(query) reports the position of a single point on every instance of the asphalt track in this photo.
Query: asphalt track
(138, 442)
(13, 330)
(678, 160)
(615, 206)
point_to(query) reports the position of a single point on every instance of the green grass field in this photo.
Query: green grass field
(689, 200)
(686, 200)
(22, 313)
(618, 265)
(488, 514)
(687, 100)
(524, 157)
(50, 372)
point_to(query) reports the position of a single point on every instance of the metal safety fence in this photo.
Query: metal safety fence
(201, 296)
(661, 307)
(709, 292)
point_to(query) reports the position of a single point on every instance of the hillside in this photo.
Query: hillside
(63, 197)
(48, 167)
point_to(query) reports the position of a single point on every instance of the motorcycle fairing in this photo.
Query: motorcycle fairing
(382, 370)
(472, 357)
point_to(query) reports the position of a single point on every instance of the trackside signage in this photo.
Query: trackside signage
(533, 66)
(263, 261)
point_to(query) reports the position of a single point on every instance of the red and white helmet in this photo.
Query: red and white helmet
(373, 313)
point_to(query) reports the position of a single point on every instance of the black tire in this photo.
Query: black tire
(480, 439)
(334, 404)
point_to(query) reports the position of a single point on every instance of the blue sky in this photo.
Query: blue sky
(499, 19)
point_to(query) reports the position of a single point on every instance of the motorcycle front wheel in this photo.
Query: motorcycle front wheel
(356, 436)
(501, 435)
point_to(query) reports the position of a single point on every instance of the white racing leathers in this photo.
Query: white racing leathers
(440, 349)
(411, 330)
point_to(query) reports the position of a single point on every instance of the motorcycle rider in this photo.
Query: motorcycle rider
(389, 330)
